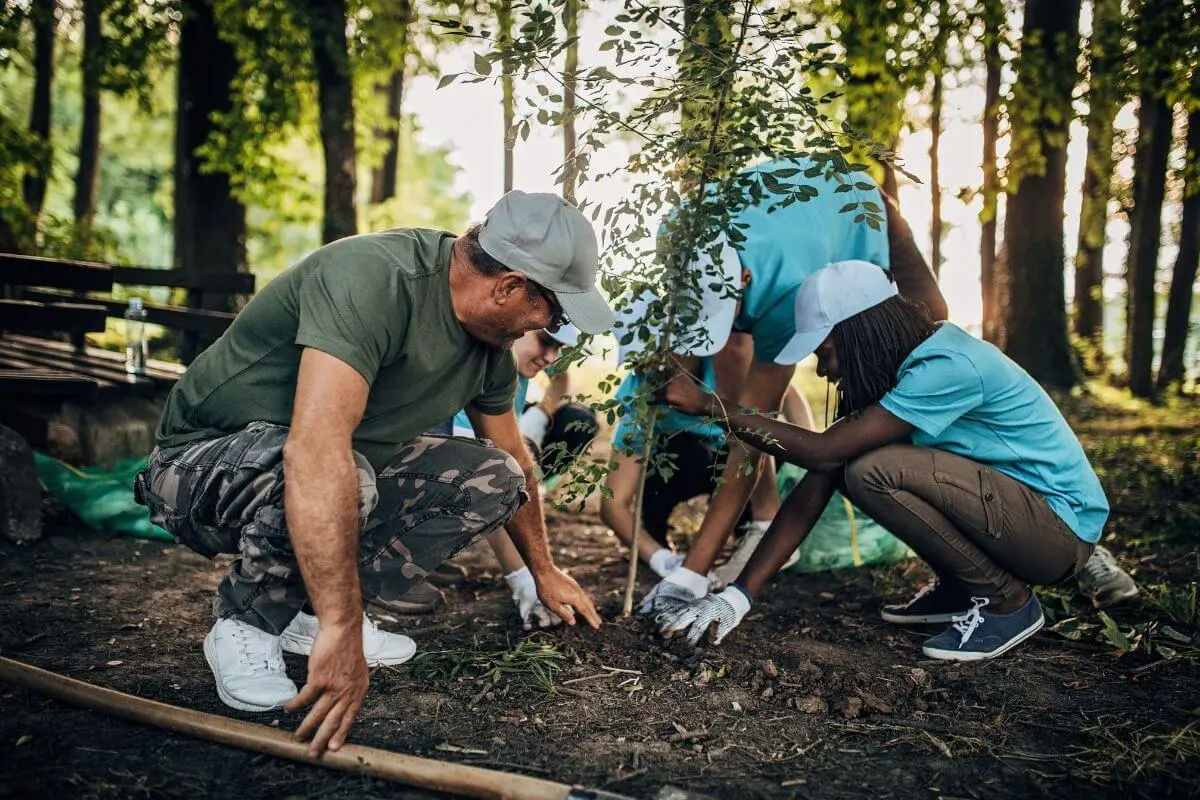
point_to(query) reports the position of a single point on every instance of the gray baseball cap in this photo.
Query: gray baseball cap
(550, 240)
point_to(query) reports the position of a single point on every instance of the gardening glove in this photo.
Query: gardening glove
(664, 562)
(680, 588)
(525, 597)
(725, 610)
(533, 425)
(728, 572)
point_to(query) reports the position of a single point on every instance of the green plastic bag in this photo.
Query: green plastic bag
(843, 537)
(103, 498)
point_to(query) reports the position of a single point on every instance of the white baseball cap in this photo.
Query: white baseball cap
(720, 281)
(834, 293)
(566, 335)
(550, 240)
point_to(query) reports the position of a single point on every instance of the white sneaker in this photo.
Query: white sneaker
(248, 665)
(380, 647)
(1103, 580)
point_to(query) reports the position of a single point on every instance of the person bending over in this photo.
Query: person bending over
(944, 441)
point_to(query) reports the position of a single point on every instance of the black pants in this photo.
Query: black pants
(572, 430)
(699, 465)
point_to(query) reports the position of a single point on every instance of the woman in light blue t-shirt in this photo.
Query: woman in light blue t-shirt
(943, 440)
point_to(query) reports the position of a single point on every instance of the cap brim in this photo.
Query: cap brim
(802, 345)
(588, 311)
(567, 335)
(717, 323)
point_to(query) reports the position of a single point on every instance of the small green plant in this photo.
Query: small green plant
(530, 664)
(1179, 604)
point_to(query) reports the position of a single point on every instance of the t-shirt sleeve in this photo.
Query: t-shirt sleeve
(499, 386)
(339, 315)
(934, 391)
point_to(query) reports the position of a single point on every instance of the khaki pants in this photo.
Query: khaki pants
(980, 530)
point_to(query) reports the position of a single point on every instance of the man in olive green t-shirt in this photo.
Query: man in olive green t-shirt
(329, 378)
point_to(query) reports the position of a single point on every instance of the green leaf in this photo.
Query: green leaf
(847, 207)
(482, 65)
(1112, 634)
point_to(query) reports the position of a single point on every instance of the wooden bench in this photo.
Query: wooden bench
(47, 306)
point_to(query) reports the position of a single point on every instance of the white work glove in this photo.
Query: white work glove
(728, 572)
(664, 562)
(525, 597)
(725, 610)
(533, 425)
(681, 588)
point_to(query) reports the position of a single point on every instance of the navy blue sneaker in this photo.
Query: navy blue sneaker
(934, 603)
(975, 636)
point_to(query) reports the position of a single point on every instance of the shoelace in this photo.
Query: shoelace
(967, 623)
(1101, 569)
(255, 653)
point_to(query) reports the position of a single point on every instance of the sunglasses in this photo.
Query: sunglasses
(558, 317)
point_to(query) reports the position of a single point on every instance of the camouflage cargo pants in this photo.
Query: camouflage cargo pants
(435, 497)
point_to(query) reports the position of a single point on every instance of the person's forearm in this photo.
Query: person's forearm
(560, 384)
(800, 511)
(527, 528)
(320, 500)
(505, 551)
(724, 508)
(791, 443)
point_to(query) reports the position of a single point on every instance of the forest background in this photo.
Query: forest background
(1058, 135)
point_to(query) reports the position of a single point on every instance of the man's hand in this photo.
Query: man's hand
(726, 610)
(562, 596)
(337, 684)
(689, 397)
(525, 597)
(680, 588)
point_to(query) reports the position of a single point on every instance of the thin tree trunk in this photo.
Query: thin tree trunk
(1103, 102)
(994, 11)
(383, 177)
(1183, 278)
(1145, 232)
(506, 89)
(935, 178)
(210, 223)
(335, 96)
(570, 166)
(1033, 313)
(89, 137)
(39, 113)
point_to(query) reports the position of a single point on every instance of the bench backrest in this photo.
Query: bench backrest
(42, 294)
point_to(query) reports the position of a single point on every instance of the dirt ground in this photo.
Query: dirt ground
(813, 696)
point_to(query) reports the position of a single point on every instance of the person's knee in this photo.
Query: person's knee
(368, 489)
(876, 472)
(496, 486)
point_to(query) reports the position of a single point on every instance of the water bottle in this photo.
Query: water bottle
(135, 337)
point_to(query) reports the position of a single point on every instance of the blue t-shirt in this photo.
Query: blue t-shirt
(966, 397)
(628, 438)
(462, 424)
(785, 246)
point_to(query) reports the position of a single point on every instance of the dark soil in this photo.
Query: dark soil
(813, 696)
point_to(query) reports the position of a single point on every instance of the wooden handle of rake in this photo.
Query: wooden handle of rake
(426, 773)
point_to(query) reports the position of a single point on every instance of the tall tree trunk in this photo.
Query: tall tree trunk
(570, 166)
(1183, 278)
(935, 177)
(993, 22)
(1156, 20)
(335, 96)
(1145, 231)
(89, 137)
(506, 89)
(39, 113)
(707, 44)
(210, 223)
(1033, 313)
(383, 177)
(1105, 59)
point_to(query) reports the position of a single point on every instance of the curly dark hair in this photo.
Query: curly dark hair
(872, 345)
